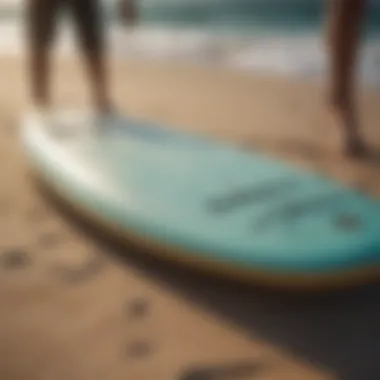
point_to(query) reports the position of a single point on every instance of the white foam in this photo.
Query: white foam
(302, 56)
(11, 38)
(158, 43)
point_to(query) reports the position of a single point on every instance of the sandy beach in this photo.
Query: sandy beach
(72, 309)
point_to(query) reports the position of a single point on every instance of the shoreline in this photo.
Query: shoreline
(295, 56)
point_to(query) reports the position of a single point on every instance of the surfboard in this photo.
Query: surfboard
(202, 202)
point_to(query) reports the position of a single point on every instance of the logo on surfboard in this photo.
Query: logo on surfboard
(290, 210)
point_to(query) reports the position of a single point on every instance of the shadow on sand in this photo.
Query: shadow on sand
(339, 331)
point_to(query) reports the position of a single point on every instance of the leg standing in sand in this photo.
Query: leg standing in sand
(346, 18)
(42, 21)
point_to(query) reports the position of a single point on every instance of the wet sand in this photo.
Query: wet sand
(74, 308)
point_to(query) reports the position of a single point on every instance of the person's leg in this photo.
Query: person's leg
(41, 16)
(346, 18)
(128, 12)
(89, 23)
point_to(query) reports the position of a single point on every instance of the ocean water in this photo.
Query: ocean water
(269, 36)
(247, 16)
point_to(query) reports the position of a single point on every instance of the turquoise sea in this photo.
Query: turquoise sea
(275, 36)
(247, 16)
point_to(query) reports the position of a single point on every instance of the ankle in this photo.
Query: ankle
(41, 102)
(342, 99)
(103, 105)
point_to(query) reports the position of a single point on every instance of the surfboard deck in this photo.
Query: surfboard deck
(205, 201)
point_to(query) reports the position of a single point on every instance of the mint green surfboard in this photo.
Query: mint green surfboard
(210, 200)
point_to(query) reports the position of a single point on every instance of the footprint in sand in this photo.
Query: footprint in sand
(78, 274)
(15, 259)
(139, 350)
(137, 309)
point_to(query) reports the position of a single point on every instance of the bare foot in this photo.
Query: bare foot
(345, 122)
(102, 103)
(104, 107)
(356, 149)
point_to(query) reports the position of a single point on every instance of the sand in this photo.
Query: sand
(71, 308)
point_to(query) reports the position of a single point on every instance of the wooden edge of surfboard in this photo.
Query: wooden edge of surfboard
(179, 256)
